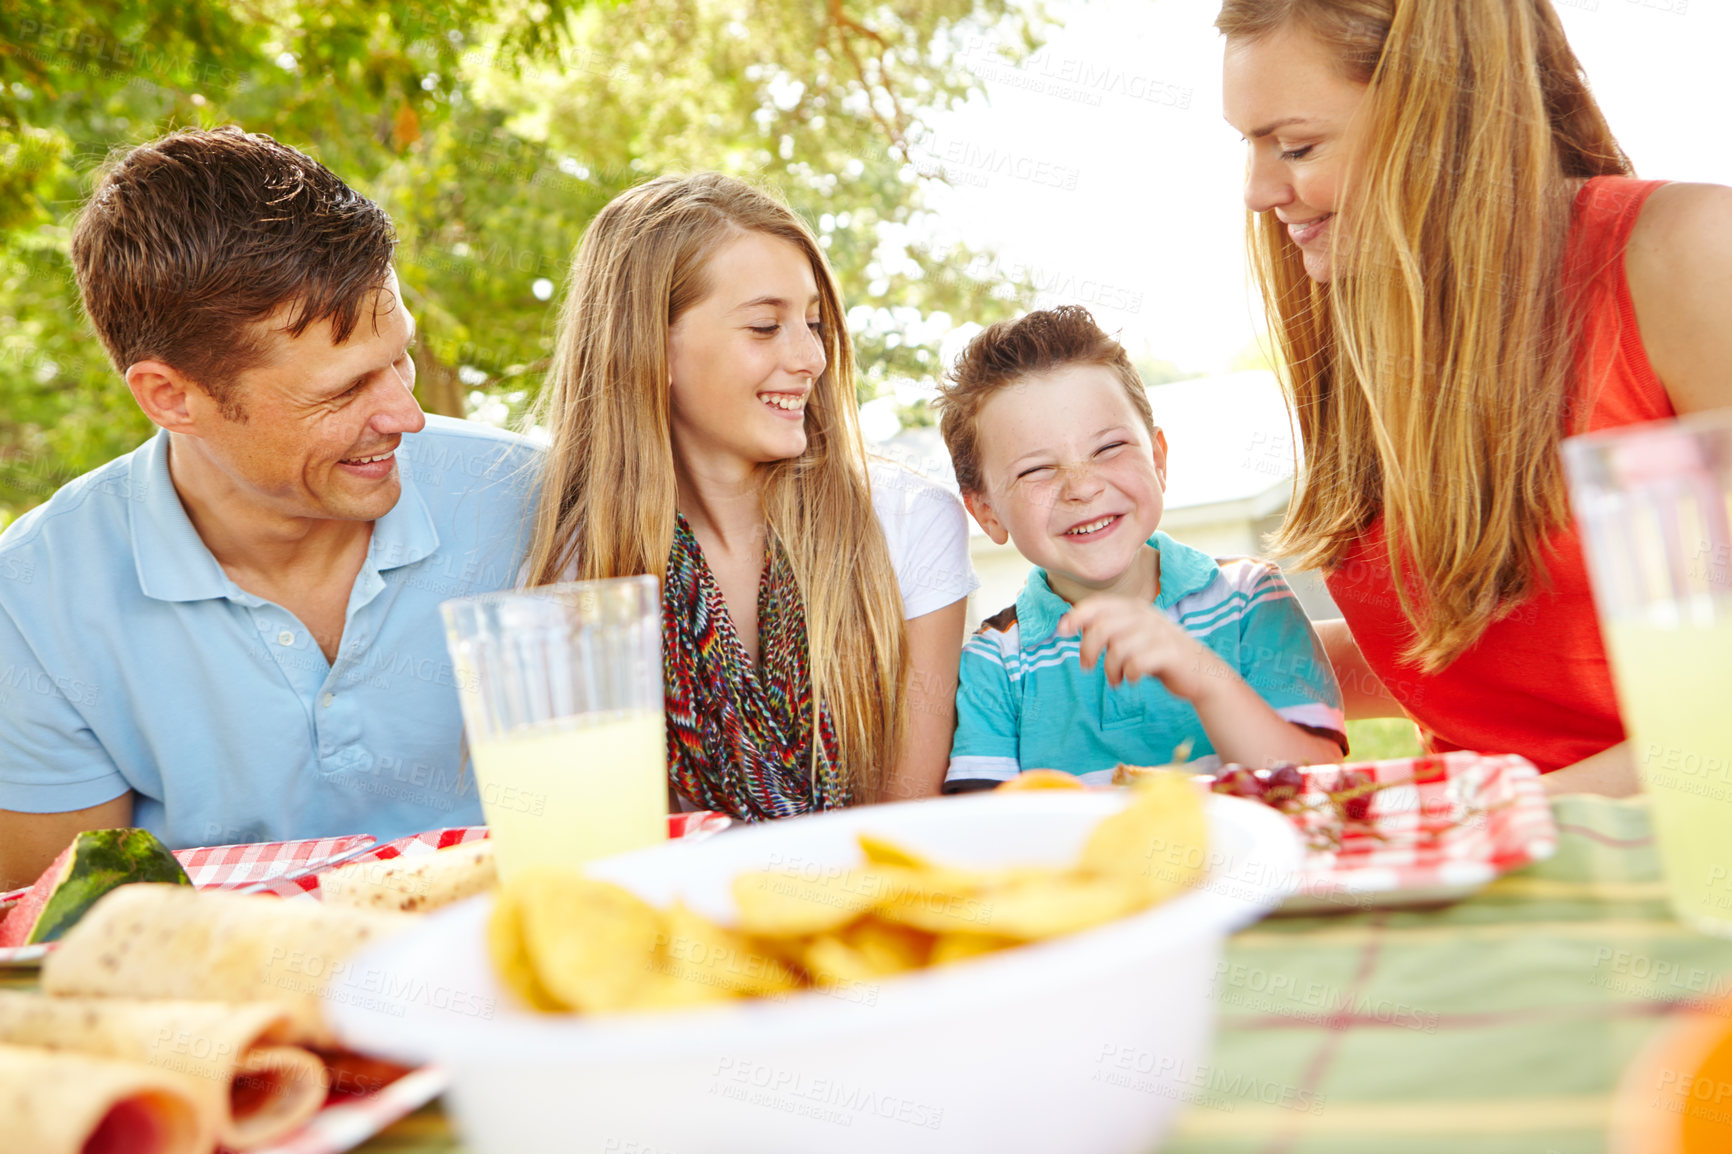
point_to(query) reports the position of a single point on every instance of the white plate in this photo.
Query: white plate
(1445, 826)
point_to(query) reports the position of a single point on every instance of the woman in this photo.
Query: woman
(704, 429)
(1460, 272)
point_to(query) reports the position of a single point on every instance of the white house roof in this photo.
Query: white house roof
(1228, 443)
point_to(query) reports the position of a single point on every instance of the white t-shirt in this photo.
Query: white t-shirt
(927, 531)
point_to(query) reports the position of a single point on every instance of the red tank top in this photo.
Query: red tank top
(1536, 682)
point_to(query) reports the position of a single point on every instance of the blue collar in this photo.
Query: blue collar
(174, 564)
(1184, 571)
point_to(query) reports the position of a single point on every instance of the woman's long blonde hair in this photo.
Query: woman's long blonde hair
(1431, 378)
(607, 482)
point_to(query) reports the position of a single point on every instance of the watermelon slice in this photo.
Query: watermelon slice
(97, 861)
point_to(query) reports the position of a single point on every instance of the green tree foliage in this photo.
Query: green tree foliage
(492, 130)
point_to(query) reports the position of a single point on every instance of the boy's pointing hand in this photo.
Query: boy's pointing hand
(1133, 639)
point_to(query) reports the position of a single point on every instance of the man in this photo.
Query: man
(232, 633)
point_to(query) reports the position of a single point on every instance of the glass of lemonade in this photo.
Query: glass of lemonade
(1652, 502)
(561, 689)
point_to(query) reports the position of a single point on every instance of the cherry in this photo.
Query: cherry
(1356, 785)
(1286, 784)
(1237, 781)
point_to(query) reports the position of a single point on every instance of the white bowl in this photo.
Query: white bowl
(1087, 1044)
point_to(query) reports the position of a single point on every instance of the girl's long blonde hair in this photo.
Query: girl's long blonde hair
(607, 483)
(1431, 377)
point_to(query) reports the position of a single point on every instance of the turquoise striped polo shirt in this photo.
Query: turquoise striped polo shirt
(1025, 701)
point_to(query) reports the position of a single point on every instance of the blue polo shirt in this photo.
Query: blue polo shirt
(130, 661)
(1024, 700)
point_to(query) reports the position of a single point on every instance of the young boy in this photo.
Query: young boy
(1124, 644)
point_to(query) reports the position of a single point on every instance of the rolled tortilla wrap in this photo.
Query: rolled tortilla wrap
(256, 1090)
(59, 1102)
(160, 941)
(413, 883)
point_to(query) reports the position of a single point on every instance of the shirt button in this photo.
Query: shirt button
(285, 638)
(327, 699)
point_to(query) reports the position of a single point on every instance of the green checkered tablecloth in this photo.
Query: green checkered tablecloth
(1500, 1024)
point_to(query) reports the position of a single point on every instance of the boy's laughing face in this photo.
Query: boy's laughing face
(1073, 477)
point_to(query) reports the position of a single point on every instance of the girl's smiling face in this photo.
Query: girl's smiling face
(1286, 95)
(744, 360)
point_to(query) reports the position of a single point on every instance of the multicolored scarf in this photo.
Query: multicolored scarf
(739, 735)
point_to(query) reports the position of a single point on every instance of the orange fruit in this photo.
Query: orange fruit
(1043, 779)
(1676, 1095)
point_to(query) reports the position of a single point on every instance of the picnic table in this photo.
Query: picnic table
(1500, 1023)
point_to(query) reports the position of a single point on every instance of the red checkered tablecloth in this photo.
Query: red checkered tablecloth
(276, 866)
(230, 867)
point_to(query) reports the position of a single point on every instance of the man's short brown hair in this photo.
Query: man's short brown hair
(1005, 353)
(190, 240)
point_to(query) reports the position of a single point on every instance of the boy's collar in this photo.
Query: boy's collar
(1184, 571)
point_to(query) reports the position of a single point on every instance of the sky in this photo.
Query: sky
(1103, 168)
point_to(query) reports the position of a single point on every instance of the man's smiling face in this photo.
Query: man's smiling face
(319, 423)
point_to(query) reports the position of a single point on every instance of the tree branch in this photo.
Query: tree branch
(846, 28)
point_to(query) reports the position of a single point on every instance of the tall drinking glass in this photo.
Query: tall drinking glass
(561, 689)
(1652, 502)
